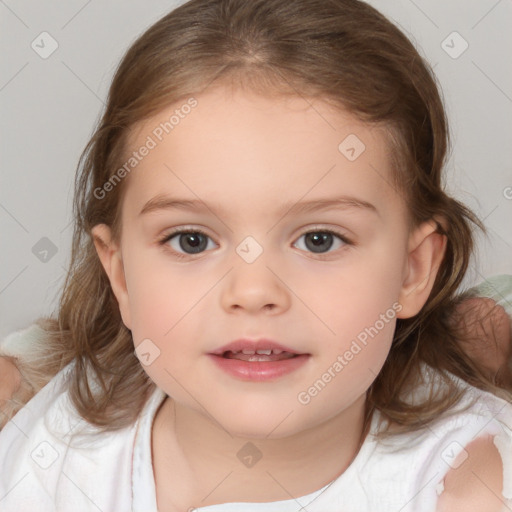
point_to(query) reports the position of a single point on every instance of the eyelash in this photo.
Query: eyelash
(171, 235)
(163, 241)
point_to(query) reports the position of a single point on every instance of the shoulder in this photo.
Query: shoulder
(475, 481)
(50, 458)
(475, 445)
(458, 459)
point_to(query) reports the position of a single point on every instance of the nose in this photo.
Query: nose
(254, 288)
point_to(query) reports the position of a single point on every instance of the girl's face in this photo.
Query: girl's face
(302, 240)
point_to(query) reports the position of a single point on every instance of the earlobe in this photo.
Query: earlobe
(109, 254)
(425, 254)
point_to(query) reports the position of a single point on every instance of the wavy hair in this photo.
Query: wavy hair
(341, 51)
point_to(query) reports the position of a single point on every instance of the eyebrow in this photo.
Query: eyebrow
(162, 202)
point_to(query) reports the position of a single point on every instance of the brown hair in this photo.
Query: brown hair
(341, 51)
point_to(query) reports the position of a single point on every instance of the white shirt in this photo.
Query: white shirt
(52, 460)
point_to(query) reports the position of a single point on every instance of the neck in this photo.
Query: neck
(208, 465)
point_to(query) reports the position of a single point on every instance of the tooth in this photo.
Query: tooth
(247, 351)
(257, 358)
(276, 351)
(266, 352)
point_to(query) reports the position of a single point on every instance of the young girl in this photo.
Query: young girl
(260, 215)
(482, 318)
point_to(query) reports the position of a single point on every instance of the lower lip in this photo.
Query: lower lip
(259, 371)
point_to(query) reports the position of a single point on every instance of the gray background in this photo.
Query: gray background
(49, 107)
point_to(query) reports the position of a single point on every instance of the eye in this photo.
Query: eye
(188, 241)
(321, 241)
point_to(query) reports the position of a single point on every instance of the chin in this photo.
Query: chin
(263, 424)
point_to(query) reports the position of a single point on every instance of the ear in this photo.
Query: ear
(426, 251)
(111, 260)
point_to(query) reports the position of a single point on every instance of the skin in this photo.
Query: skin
(477, 484)
(327, 300)
(10, 380)
(247, 156)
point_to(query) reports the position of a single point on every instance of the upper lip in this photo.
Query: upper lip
(246, 344)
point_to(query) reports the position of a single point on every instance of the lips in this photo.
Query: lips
(256, 350)
(258, 361)
(259, 355)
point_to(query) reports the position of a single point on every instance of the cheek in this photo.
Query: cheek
(152, 305)
(159, 293)
(352, 297)
(358, 305)
(169, 306)
(162, 307)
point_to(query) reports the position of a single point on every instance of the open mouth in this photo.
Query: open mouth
(259, 355)
(258, 365)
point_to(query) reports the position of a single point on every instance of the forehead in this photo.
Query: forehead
(241, 147)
